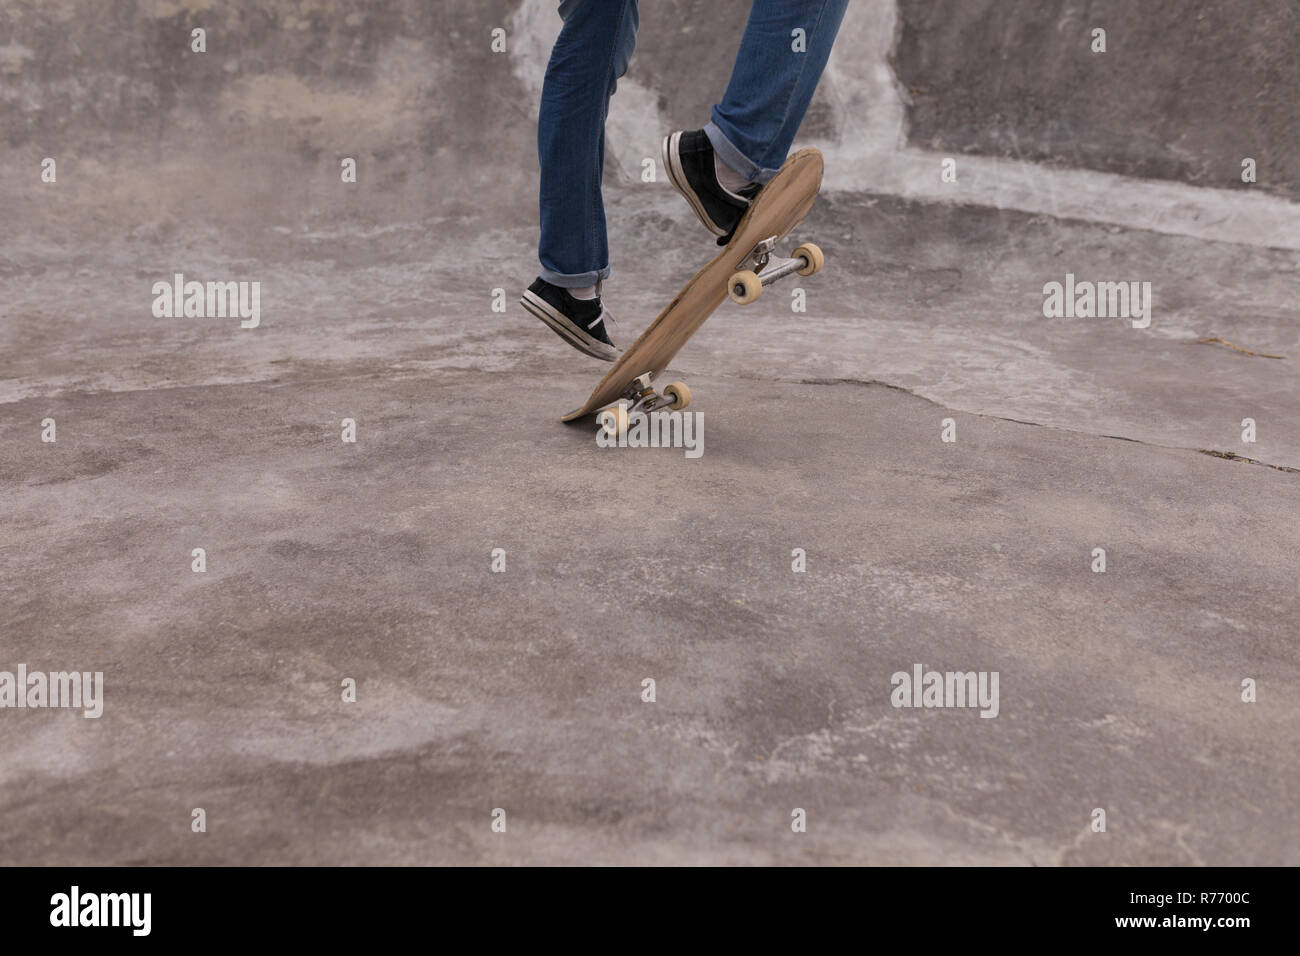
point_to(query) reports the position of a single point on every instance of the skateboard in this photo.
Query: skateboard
(741, 270)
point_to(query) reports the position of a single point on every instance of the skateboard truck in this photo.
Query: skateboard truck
(754, 272)
(759, 268)
(640, 396)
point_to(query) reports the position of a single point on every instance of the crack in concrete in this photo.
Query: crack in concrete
(1226, 455)
(1215, 340)
(1233, 456)
(863, 382)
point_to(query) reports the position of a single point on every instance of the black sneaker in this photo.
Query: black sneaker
(580, 322)
(688, 158)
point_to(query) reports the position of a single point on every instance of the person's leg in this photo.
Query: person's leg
(591, 53)
(772, 83)
(719, 169)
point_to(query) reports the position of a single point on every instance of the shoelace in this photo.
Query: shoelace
(604, 314)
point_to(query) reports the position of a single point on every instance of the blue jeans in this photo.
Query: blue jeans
(751, 130)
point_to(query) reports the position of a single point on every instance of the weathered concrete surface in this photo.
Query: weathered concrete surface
(522, 690)
(946, 300)
(1185, 90)
(156, 139)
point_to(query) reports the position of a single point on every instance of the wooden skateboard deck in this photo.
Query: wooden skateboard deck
(780, 206)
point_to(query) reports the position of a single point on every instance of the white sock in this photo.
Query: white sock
(728, 178)
(586, 292)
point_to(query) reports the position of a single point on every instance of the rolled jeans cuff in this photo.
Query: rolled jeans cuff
(579, 281)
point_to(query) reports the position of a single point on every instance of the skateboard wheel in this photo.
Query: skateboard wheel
(814, 256)
(679, 395)
(614, 420)
(744, 287)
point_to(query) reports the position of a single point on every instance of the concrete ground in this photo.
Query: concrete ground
(523, 690)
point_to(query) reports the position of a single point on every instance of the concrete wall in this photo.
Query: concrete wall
(151, 134)
(1186, 89)
(151, 138)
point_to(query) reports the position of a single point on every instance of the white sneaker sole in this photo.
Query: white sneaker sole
(566, 329)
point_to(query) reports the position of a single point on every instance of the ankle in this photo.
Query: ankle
(728, 178)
